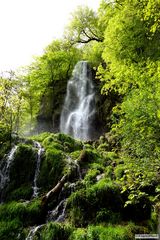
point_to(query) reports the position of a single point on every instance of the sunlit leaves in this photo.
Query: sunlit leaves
(84, 27)
(11, 101)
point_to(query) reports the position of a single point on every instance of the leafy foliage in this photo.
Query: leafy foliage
(120, 171)
(84, 27)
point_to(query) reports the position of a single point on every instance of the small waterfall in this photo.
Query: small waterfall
(39, 154)
(78, 113)
(74, 163)
(5, 166)
(78, 170)
(59, 213)
(32, 232)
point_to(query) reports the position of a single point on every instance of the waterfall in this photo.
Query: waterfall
(5, 166)
(58, 214)
(78, 113)
(37, 170)
(32, 232)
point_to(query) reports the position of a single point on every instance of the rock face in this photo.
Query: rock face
(50, 108)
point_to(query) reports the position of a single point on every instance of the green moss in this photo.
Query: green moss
(41, 137)
(34, 214)
(111, 156)
(75, 155)
(108, 216)
(85, 204)
(69, 143)
(50, 140)
(90, 177)
(56, 231)
(79, 234)
(24, 192)
(104, 232)
(12, 210)
(107, 195)
(89, 156)
(109, 172)
(10, 229)
(27, 213)
(98, 166)
(21, 173)
(63, 142)
(119, 171)
(51, 169)
(103, 147)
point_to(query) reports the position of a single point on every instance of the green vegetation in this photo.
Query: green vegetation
(105, 202)
(20, 185)
(118, 193)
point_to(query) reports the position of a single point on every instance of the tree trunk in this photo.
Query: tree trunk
(53, 192)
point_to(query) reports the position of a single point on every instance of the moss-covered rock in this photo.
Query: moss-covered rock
(98, 186)
(85, 205)
(21, 173)
(51, 169)
(15, 216)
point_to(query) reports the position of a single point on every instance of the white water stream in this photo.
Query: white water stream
(32, 232)
(37, 170)
(5, 166)
(78, 113)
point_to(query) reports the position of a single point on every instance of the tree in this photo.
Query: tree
(53, 67)
(131, 54)
(84, 27)
(11, 102)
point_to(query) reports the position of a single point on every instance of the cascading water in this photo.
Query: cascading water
(78, 113)
(58, 214)
(33, 231)
(40, 151)
(5, 166)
